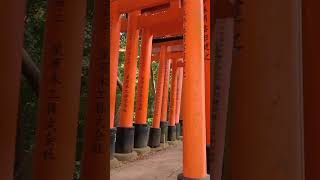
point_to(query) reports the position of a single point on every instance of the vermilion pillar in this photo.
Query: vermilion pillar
(155, 131)
(266, 93)
(125, 133)
(194, 133)
(115, 25)
(54, 151)
(173, 95)
(141, 127)
(164, 107)
(11, 44)
(207, 55)
(311, 87)
(178, 101)
(95, 159)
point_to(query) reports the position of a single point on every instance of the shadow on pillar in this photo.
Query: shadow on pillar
(208, 158)
(181, 127)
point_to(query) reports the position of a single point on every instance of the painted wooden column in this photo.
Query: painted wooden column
(115, 25)
(125, 132)
(224, 48)
(194, 130)
(311, 87)
(178, 101)
(266, 93)
(155, 131)
(95, 160)
(142, 129)
(172, 134)
(11, 43)
(164, 123)
(58, 107)
(207, 64)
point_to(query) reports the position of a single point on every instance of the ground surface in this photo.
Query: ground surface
(162, 165)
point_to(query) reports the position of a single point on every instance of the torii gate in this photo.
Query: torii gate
(193, 84)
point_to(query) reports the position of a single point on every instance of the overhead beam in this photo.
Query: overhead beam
(130, 5)
(166, 23)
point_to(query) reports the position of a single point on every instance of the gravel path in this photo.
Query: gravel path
(161, 165)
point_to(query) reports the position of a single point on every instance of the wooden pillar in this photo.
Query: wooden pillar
(144, 76)
(142, 129)
(266, 93)
(194, 132)
(55, 144)
(125, 132)
(311, 87)
(160, 83)
(207, 54)
(173, 94)
(178, 97)
(164, 108)
(179, 93)
(129, 82)
(173, 102)
(115, 25)
(156, 132)
(224, 41)
(95, 160)
(11, 43)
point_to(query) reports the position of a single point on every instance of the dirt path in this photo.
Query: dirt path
(161, 165)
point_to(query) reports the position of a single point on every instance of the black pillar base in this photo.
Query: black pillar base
(125, 140)
(181, 126)
(154, 137)
(208, 158)
(178, 130)
(112, 134)
(181, 177)
(141, 135)
(172, 133)
(164, 131)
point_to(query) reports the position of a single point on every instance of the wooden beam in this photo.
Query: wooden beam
(129, 5)
(169, 22)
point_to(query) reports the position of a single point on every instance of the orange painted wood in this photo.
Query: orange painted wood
(266, 93)
(115, 24)
(311, 87)
(207, 54)
(165, 97)
(58, 106)
(11, 42)
(194, 132)
(129, 82)
(95, 159)
(173, 94)
(129, 5)
(179, 91)
(144, 77)
(154, 22)
(159, 92)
